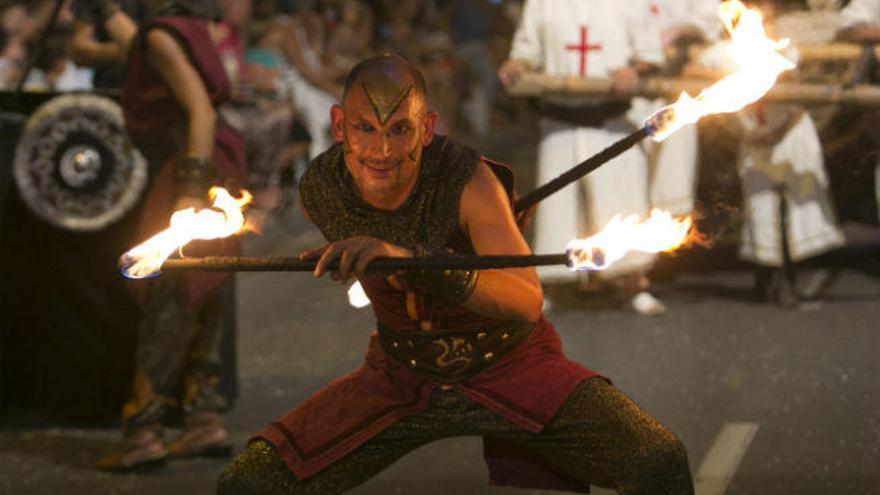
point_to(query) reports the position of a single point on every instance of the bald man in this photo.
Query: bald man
(456, 352)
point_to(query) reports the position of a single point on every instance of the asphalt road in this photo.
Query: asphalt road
(767, 400)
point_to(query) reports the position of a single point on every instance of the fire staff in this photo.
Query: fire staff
(457, 352)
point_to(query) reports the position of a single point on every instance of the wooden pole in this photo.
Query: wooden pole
(828, 52)
(538, 85)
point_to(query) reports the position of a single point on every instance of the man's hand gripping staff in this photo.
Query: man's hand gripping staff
(354, 255)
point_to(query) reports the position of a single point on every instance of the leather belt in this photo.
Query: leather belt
(584, 115)
(451, 356)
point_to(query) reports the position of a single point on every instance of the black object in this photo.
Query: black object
(281, 264)
(67, 319)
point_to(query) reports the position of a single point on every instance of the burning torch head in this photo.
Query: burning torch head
(658, 233)
(224, 219)
(662, 120)
(759, 65)
(586, 257)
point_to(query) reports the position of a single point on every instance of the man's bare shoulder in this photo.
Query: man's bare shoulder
(484, 195)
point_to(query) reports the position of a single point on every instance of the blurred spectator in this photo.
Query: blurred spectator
(352, 36)
(471, 30)
(53, 68)
(610, 40)
(270, 118)
(18, 26)
(101, 35)
(235, 15)
(8, 63)
(313, 84)
(418, 31)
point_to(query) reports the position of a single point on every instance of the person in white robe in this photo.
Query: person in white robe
(673, 162)
(304, 77)
(780, 159)
(595, 39)
(860, 22)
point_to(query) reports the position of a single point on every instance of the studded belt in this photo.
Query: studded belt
(451, 356)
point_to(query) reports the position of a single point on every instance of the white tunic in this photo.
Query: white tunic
(703, 14)
(586, 38)
(311, 102)
(795, 164)
(673, 163)
(861, 12)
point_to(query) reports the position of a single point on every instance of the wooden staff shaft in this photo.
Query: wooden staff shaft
(283, 264)
(580, 170)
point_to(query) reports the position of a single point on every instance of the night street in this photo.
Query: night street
(718, 160)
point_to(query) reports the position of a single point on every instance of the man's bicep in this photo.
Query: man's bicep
(488, 218)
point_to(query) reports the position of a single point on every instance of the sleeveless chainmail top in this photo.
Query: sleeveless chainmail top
(428, 217)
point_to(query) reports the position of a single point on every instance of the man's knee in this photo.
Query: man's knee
(670, 454)
(257, 470)
(663, 467)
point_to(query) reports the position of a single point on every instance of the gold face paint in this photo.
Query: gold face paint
(385, 97)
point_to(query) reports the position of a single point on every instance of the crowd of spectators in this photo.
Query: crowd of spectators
(277, 46)
(287, 60)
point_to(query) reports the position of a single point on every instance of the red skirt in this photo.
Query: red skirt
(527, 387)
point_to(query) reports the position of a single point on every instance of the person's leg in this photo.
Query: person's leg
(164, 333)
(260, 470)
(204, 432)
(601, 436)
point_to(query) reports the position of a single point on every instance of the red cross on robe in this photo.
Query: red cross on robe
(583, 48)
(655, 9)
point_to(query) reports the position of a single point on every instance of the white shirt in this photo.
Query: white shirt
(587, 38)
(702, 14)
(861, 12)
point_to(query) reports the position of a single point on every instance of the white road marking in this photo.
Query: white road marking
(724, 457)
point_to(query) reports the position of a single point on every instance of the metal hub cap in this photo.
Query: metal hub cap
(80, 166)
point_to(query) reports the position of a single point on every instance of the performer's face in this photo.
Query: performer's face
(383, 135)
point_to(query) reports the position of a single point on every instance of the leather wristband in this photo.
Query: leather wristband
(195, 174)
(451, 287)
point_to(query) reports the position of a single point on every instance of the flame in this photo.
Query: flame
(145, 260)
(661, 232)
(357, 297)
(759, 64)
